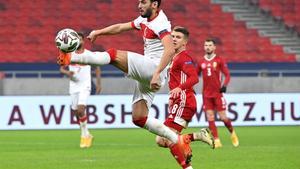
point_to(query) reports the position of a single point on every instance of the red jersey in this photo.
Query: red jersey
(183, 72)
(212, 70)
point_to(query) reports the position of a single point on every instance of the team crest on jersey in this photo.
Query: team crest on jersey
(203, 65)
(215, 65)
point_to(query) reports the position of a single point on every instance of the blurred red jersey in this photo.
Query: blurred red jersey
(212, 70)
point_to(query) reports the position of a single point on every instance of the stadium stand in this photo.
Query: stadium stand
(28, 28)
(288, 10)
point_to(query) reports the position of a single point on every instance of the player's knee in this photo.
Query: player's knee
(224, 118)
(161, 142)
(140, 122)
(210, 117)
(81, 110)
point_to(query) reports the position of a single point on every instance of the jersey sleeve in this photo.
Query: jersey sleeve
(225, 71)
(161, 27)
(136, 24)
(188, 67)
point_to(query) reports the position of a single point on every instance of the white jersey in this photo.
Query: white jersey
(153, 31)
(82, 75)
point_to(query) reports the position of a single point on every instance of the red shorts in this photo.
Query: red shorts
(214, 103)
(181, 111)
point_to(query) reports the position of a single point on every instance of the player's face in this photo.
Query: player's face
(209, 47)
(178, 40)
(81, 42)
(145, 8)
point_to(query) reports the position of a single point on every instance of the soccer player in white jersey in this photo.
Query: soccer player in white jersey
(149, 70)
(80, 89)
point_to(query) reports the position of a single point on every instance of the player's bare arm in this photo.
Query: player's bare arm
(98, 79)
(110, 30)
(168, 54)
(66, 72)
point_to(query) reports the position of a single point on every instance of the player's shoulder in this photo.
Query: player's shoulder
(220, 58)
(161, 21)
(186, 57)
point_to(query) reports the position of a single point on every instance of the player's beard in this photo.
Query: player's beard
(147, 14)
(209, 52)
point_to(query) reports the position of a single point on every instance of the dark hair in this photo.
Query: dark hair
(182, 30)
(80, 34)
(158, 2)
(210, 40)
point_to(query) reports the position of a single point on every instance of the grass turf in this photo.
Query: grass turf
(260, 148)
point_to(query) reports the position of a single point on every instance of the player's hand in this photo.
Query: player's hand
(155, 83)
(70, 74)
(92, 36)
(175, 93)
(223, 89)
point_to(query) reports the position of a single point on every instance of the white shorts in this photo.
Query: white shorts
(141, 69)
(79, 98)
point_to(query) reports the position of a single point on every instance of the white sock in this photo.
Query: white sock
(98, 58)
(189, 167)
(84, 130)
(156, 127)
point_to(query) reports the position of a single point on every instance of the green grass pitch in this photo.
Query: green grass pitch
(260, 148)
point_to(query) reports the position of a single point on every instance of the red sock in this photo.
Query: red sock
(178, 155)
(228, 125)
(213, 128)
(112, 53)
(191, 135)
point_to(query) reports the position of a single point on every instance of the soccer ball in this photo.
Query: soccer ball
(67, 40)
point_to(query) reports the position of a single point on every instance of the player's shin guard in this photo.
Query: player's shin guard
(178, 155)
(158, 128)
(213, 128)
(97, 58)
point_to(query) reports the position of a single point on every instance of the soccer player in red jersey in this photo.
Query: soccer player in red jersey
(212, 66)
(182, 101)
(148, 70)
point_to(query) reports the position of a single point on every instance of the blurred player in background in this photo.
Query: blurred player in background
(212, 66)
(182, 101)
(149, 70)
(80, 90)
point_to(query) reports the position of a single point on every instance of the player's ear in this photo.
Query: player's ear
(155, 4)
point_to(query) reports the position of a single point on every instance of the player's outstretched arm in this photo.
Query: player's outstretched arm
(168, 54)
(110, 30)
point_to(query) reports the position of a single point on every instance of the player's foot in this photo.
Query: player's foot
(88, 141)
(184, 143)
(218, 143)
(82, 142)
(206, 137)
(64, 59)
(234, 139)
